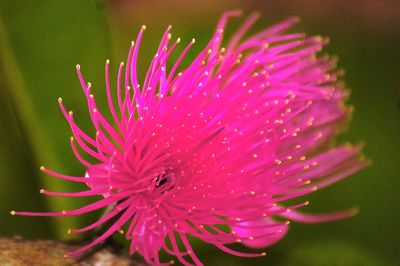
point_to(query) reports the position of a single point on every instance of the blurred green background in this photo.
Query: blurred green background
(42, 41)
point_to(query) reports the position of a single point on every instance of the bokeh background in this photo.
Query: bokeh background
(42, 41)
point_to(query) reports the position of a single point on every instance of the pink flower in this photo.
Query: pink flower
(213, 151)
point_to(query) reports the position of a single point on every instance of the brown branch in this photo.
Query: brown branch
(18, 251)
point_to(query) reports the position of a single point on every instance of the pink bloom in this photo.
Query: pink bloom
(213, 151)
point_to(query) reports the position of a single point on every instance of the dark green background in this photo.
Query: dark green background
(42, 41)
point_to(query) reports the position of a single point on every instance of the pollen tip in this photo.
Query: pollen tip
(256, 14)
(355, 210)
(171, 262)
(121, 64)
(296, 19)
(59, 99)
(71, 138)
(263, 254)
(132, 43)
(65, 256)
(193, 40)
(306, 203)
(42, 168)
(41, 191)
(69, 231)
(108, 61)
(318, 38)
(178, 40)
(78, 66)
(13, 213)
(144, 27)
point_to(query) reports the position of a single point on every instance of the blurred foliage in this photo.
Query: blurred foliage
(42, 41)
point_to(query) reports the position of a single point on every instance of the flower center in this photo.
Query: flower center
(161, 180)
(164, 181)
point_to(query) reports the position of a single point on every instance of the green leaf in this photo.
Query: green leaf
(40, 44)
(333, 253)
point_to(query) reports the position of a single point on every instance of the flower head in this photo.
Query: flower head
(213, 151)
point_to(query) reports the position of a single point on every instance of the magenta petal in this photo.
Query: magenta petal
(260, 233)
(320, 218)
